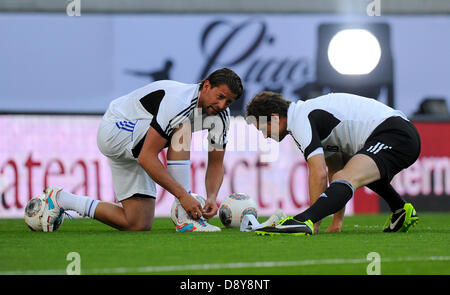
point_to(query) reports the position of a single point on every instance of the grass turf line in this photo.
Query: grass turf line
(104, 250)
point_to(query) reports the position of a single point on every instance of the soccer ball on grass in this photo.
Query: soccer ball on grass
(33, 214)
(235, 207)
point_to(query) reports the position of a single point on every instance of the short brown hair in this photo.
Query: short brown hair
(267, 103)
(225, 76)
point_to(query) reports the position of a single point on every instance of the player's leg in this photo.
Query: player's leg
(394, 146)
(386, 191)
(359, 171)
(403, 214)
(335, 163)
(179, 164)
(136, 191)
(55, 205)
(135, 214)
(133, 188)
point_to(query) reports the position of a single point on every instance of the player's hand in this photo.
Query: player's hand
(317, 227)
(191, 205)
(210, 209)
(335, 226)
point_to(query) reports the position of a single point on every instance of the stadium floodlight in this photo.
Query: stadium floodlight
(355, 58)
(354, 52)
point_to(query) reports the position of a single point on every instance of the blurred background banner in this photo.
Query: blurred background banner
(61, 150)
(57, 63)
(63, 62)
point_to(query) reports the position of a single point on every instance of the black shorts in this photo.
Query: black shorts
(394, 145)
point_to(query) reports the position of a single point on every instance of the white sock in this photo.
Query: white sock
(84, 206)
(181, 172)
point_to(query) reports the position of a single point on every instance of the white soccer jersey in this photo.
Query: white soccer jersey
(336, 122)
(166, 104)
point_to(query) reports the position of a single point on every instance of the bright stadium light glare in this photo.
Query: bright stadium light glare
(354, 52)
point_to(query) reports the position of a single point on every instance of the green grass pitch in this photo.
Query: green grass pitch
(103, 250)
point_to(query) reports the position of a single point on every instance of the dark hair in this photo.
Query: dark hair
(225, 76)
(267, 103)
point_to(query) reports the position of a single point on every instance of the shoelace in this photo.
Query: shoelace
(281, 221)
(201, 221)
(68, 215)
(61, 210)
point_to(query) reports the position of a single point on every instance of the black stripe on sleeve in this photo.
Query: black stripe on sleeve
(181, 117)
(322, 124)
(151, 101)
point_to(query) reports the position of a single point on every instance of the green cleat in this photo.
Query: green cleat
(402, 219)
(288, 226)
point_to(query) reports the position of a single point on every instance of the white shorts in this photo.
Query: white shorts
(115, 139)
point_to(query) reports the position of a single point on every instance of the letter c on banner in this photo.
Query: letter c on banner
(292, 181)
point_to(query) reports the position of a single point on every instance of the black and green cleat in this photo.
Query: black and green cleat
(288, 226)
(402, 219)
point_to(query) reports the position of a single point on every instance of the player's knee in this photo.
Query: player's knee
(144, 227)
(357, 180)
(139, 227)
(139, 212)
(342, 175)
(338, 175)
(139, 224)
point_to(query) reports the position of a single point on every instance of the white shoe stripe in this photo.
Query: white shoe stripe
(280, 226)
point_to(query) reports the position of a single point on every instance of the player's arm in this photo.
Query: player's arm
(213, 181)
(148, 159)
(317, 180)
(217, 140)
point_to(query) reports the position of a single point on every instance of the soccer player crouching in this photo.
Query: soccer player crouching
(134, 130)
(362, 142)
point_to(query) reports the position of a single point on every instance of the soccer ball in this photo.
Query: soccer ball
(174, 209)
(235, 207)
(33, 214)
